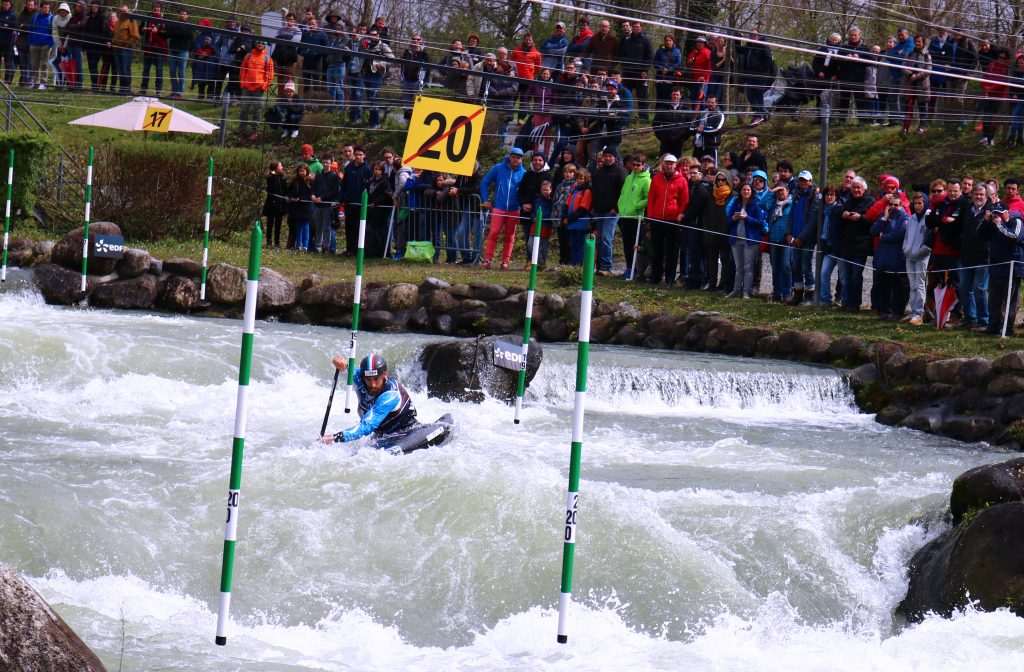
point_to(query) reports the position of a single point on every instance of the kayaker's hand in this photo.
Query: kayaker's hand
(340, 363)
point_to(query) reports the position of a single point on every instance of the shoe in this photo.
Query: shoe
(906, 320)
(921, 130)
(603, 274)
(625, 274)
(876, 123)
(295, 133)
(397, 256)
(42, 87)
(757, 121)
(915, 321)
(746, 295)
(485, 264)
(504, 265)
(284, 134)
(985, 142)
(735, 294)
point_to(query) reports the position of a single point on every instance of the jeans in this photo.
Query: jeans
(1017, 121)
(179, 62)
(373, 84)
(782, 271)
(755, 97)
(851, 273)
(803, 268)
(743, 255)
(75, 51)
(335, 85)
(468, 229)
(357, 95)
(150, 61)
(829, 263)
(917, 276)
(322, 238)
(302, 235)
(123, 68)
(604, 223)
(974, 295)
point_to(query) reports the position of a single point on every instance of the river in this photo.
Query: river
(735, 514)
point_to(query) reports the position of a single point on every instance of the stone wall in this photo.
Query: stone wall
(970, 399)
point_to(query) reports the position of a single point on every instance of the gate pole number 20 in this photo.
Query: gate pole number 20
(444, 136)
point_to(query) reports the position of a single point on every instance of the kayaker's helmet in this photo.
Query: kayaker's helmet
(374, 365)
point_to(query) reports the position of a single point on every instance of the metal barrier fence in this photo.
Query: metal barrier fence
(455, 226)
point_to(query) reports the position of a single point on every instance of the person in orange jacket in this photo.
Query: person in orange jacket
(254, 80)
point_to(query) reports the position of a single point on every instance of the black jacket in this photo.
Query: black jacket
(606, 185)
(276, 203)
(973, 243)
(854, 235)
(854, 71)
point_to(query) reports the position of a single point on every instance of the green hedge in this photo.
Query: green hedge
(157, 189)
(33, 158)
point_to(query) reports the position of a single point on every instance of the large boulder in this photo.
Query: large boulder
(183, 266)
(464, 370)
(276, 293)
(979, 561)
(33, 638)
(68, 250)
(336, 295)
(135, 293)
(59, 285)
(226, 283)
(134, 263)
(179, 294)
(986, 485)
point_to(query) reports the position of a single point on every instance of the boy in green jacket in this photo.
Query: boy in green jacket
(632, 203)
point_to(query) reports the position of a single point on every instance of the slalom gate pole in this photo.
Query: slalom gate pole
(355, 304)
(1009, 294)
(206, 230)
(238, 443)
(572, 501)
(7, 217)
(88, 213)
(528, 319)
(636, 245)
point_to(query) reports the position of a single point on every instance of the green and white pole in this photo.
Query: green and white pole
(206, 230)
(355, 304)
(7, 217)
(528, 319)
(238, 443)
(636, 246)
(572, 502)
(88, 214)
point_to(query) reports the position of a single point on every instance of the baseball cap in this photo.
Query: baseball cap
(805, 175)
(701, 38)
(516, 151)
(559, 25)
(669, 157)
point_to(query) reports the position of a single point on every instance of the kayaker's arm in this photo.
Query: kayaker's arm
(386, 402)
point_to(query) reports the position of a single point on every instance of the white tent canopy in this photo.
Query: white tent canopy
(147, 114)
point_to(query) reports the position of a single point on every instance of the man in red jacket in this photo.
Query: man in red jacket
(666, 202)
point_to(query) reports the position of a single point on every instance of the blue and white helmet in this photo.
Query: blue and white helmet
(374, 365)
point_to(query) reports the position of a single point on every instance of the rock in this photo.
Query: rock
(1011, 361)
(297, 315)
(892, 414)
(21, 257)
(846, 349)
(378, 320)
(863, 375)
(33, 637)
(490, 292)
(804, 345)
(878, 353)
(719, 338)
(472, 305)
(896, 366)
(986, 485)
(981, 560)
(662, 325)
(1012, 409)
(555, 303)
(745, 341)
(186, 267)
(419, 319)
(133, 264)
(944, 370)
(136, 293)
(443, 324)
(433, 284)
(975, 372)
(441, 301)
(917, 367)
(624, 312)
(969, 427)
(602, 328)
(179, 294)
(336, 295)
(928, 419)
(402, 296)
(513, 308)
(464, 370)
(494, 326)
(554, 329)
(572, 304)
(59, 285)
(602, 308)
(467, 322)
(225, 283)
(656, 342)
(766, 346)
(276, 293)
(1005, 384)
(156, 266)
(42, 251)
(627, 335)
(68, 250)
(461, 290)
(375, 296)
(310, 280)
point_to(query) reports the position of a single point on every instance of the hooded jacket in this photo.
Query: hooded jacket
(891, 232)
(257, 71)
(914, 248)
(633, 197)
(668, 196)
(506, 185)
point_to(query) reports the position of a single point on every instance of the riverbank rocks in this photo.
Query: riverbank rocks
(225, 283)
(68, 250)
(276, 293)
(464, 370)
(59, 285)
(33, 637)
(135, 293)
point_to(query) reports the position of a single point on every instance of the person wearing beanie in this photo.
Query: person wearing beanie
(310, 160)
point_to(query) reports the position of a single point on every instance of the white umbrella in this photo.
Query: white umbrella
(147, 114)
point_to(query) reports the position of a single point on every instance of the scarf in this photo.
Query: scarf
(780, 206)
(721, 193)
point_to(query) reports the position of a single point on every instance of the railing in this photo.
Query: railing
(61, 193)
(455, 226)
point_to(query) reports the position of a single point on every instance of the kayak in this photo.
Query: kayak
(417, 437)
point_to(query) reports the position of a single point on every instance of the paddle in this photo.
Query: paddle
(330, 400)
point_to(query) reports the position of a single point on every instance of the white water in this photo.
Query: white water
(735, 514)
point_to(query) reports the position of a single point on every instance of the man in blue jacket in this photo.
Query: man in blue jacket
(504, 207)
(384, 405)
(552, 51)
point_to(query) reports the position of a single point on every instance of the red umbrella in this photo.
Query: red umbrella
(945, 300)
